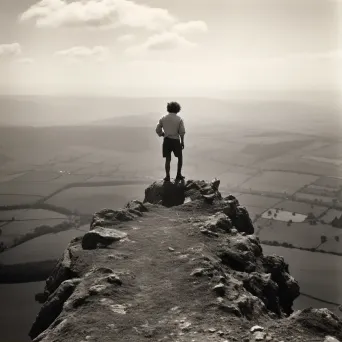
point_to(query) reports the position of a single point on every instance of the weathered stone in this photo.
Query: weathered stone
(101, 236)
(137, 205)
(219, 289)
(215, 184)
(256, 328)
(259, 336)
(169, 194)
(319, 320)
(218, 222)
(288, 287)
(96, 289)
(331, 339)
(262, 286)
(114, 279)
(53, 307)
(110, 217)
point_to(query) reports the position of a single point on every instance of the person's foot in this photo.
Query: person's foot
(180, 177)
(167, 179)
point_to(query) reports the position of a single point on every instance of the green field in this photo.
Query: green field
(298, 234)
(278, 182)
(87, 200)
(46, 247)
(301, 208)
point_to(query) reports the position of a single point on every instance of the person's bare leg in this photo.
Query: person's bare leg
(179, 165)
(167, 167)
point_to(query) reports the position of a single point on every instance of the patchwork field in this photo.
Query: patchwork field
(264, 202)
(14, 230)
(331, 214)
(329, 182)
(28, 188)
(30, 214)
(301, 208)
(332, 245)
(46, 247)
(18, 199)
(87, 200)
(278, 182)
(314, 198)
(298, 234)
(282, 215)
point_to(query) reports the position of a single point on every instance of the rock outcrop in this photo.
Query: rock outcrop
(182, 266)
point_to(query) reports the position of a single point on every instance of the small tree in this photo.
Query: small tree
(337, 238)
(323, 239)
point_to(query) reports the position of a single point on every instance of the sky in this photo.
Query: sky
(161, 46)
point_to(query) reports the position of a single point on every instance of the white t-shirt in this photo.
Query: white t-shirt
(172, 124)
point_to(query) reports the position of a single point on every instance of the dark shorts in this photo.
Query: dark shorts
(172, 145)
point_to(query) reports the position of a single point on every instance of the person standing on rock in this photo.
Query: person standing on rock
(171, 127)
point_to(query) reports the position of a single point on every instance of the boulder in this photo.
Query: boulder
(262, 286)
(137, 206)
(53, 307)
(110, 217)
(288, 287)
(319, 320)
(101, 236)
(218, 222)
(62, 271)
(238, 215)
(168, 194)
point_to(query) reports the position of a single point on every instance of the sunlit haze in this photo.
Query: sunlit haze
(158, 47)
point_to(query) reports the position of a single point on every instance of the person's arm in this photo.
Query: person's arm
(159, 128)
(181, 132)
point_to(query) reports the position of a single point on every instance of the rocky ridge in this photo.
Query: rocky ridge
(183, 265)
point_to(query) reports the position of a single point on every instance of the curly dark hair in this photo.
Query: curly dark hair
(173, 107)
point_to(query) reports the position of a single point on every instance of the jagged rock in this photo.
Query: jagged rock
(53, 307)
(218, 222)
(101, 236)
(215, 184)
(110, 218)
(114, 279)
(259, 336)
(119, 298)
(197, 190)
(319, 320)
(219, 289)
(331, 339)
(256, 328)
(240, 252)
(263, 287)
(238, 215)
(288, 287)
(137, 205)
(250, 306)
(169, 194)
(59, 274)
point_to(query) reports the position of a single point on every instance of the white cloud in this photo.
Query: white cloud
(26, 61)
(98, 13)
(10, 50)
(161, 42)
(79, 53)
(126, 38)
(190, 27)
